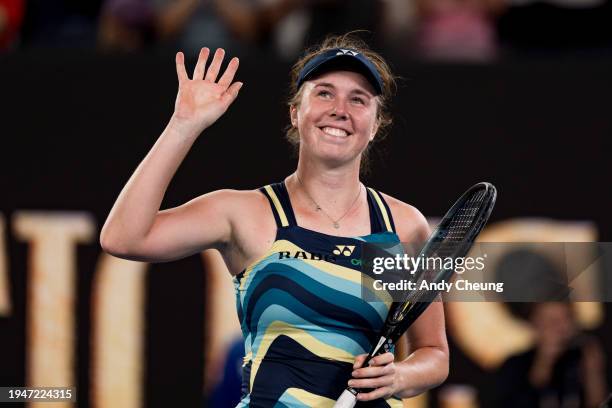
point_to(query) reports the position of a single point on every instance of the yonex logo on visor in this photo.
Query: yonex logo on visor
(347, 52)
(342, 59)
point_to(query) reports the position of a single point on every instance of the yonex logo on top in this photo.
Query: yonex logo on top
(347, 52)
(344, 250)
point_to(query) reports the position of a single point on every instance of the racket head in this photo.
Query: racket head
(452, 238)
(466, 218)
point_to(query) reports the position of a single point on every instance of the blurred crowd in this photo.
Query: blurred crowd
(464, 30)
(565, 367)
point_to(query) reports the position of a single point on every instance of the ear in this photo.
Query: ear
(374, 130)
(293, 116)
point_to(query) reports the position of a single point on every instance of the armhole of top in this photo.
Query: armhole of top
(382, 210)
(277, 198)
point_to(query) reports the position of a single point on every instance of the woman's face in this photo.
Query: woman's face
(336, 117)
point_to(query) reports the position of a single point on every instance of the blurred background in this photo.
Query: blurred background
(515, 92)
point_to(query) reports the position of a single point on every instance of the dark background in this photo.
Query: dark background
(75, 124)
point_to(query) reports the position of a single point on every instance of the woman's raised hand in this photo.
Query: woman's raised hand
(202, 99)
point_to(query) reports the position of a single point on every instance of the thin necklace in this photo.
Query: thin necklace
(335, 223)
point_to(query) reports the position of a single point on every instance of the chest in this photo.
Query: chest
(256, 233)
(311, 281)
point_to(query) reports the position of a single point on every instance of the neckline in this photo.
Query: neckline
(371, 215)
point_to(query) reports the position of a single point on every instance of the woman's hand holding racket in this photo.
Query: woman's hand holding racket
(202, 99)
(380, 376)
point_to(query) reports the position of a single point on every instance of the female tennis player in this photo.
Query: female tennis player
(291, 246)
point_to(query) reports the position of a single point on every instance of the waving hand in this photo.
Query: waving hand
(202, 99)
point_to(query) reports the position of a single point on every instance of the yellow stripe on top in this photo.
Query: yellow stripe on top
(383, 209)
(352, 275)
(277, 205)
(307, 398)
(302, 337)
(395, 402)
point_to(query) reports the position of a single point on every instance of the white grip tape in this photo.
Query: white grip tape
(347, 400)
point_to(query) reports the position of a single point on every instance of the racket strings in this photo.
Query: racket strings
(461, 224)
(447, 244)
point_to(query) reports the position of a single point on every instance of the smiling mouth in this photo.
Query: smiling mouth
(336, 132)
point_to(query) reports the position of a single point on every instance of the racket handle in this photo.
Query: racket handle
(347, 399)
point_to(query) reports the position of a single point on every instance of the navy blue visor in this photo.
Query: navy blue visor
(341, 59)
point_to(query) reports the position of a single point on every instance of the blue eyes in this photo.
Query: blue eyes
(327, 94)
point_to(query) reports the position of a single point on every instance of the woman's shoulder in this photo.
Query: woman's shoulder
(251, 223)
(410, 223)
(238, 200)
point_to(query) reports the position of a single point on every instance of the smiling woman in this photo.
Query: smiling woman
(322, 117)
(291, 246)
(358, 58)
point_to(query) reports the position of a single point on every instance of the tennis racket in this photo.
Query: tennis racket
(452, 238)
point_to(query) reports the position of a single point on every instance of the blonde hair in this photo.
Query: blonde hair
(351, 41)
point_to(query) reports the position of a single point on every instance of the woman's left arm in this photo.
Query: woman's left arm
(427, 363)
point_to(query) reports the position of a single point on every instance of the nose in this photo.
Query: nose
(339, 110)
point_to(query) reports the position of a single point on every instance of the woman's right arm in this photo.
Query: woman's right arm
(136, 228)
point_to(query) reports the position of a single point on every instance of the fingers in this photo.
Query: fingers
(230, 71)
(232, 92)
(198, 72)
(382, 359)
(213, 69)
(181, 73)
(383, 392)
(378, 366)
(374, 371)
(371, 382)
(379, 374)
(359, 360)
(215, 65)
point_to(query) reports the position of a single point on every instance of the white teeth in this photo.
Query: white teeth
(334, 131)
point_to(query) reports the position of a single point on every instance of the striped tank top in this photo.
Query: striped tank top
(302, 314)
